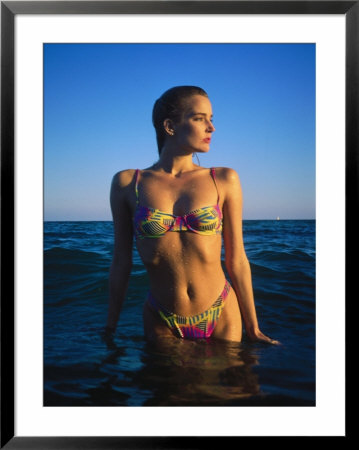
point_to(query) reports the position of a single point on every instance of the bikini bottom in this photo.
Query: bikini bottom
(198, 326)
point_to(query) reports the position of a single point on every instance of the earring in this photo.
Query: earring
(171, 132)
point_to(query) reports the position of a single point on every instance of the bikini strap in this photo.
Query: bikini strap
(213, 173)
(136, 185)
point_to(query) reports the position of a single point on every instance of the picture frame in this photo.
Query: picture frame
(9, 9)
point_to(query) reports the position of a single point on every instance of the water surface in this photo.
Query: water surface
(82, 369)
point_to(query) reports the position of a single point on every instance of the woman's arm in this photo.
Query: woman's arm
(236, 260)
(122, 252)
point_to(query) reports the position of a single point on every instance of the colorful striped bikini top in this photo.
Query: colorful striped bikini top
(153, 223)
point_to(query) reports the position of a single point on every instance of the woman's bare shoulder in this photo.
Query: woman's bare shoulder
(227, 175)
(123, 178)
(229, 183)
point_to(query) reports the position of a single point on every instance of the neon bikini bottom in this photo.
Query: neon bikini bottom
(198, 326)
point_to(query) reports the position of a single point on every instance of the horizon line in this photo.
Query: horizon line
(110, 220)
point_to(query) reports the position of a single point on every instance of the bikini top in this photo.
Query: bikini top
(153, 223)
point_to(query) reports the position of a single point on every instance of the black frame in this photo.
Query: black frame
(8, 11)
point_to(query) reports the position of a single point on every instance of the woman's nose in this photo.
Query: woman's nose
(211, 127)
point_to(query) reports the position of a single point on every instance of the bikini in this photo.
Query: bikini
(206, 221)
(153, 223)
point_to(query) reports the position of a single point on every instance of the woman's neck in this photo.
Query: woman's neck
(174, 164)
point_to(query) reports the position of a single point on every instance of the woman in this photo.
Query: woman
(178, 212)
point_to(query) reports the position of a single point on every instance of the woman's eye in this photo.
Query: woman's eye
(201, 119)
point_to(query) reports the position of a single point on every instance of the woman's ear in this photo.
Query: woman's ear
(168, 126)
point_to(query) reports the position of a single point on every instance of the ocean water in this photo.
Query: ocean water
(83, 369)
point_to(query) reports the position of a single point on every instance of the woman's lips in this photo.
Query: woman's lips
(207, 140)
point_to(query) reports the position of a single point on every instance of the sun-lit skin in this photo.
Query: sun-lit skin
(195, 127)
(184, 268)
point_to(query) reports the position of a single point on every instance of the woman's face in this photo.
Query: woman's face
(195, 130)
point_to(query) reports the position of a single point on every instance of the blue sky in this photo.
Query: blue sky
(98, 101)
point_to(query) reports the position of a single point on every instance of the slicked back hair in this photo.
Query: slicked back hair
(171, 105)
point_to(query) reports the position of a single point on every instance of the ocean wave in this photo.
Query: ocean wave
(81, 370)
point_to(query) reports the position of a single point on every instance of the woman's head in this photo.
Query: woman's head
(172, 105)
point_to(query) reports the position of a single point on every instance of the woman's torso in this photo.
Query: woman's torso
(184, 267)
